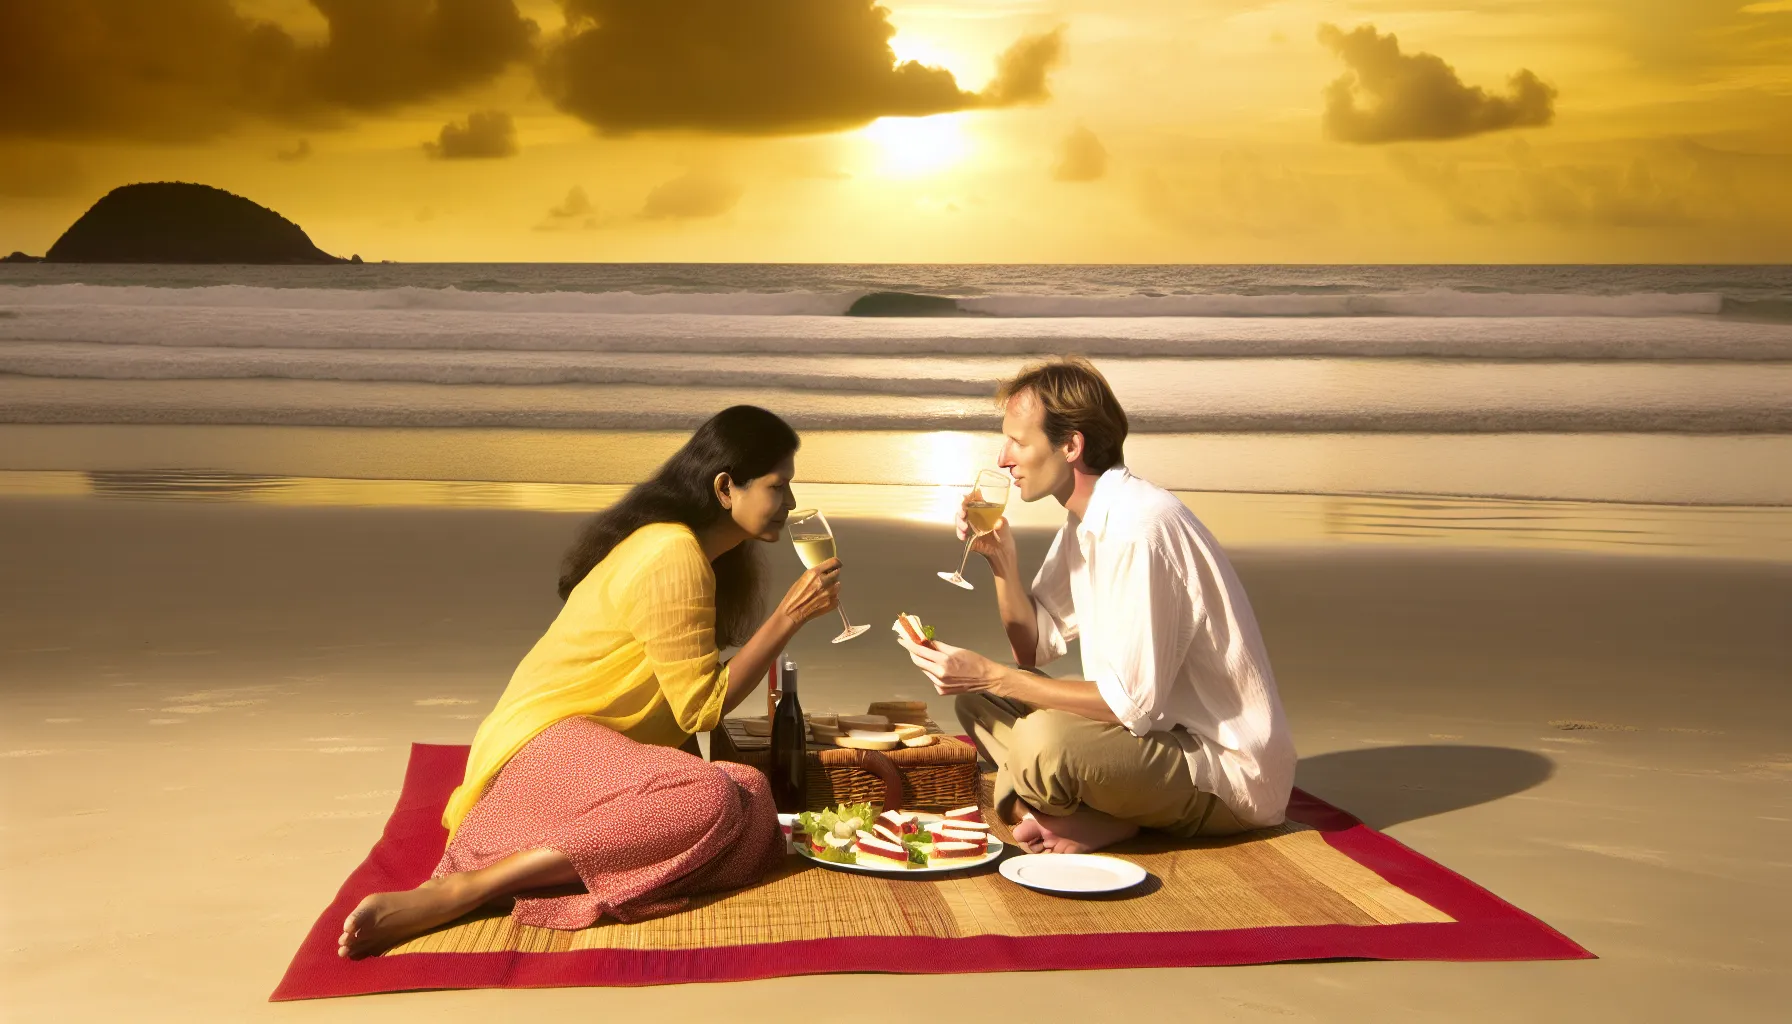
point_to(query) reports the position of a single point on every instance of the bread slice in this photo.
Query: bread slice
(908, 731)
(862, 722)
(825, 732)
(906, 712)
(757, 726)
(883, 741)
(924, 740)
(826, 718)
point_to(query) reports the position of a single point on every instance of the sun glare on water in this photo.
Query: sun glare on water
(913, 146)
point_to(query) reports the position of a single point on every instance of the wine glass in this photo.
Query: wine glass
(982, 511)
(814, 541)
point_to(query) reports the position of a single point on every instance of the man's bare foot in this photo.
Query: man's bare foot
(1027, 835)
(1084, 830)
(388, 918)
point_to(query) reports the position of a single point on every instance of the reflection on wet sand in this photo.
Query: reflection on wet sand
(1238, 519)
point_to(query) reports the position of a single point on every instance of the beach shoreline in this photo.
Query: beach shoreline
(208, 707)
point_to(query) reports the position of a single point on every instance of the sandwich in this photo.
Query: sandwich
(948, 853)
(911, 627)
(957, 835)
(957, 825)
(971, 813)
(898, 822)
(881, 851)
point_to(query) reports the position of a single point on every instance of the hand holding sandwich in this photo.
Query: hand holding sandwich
(952, 670)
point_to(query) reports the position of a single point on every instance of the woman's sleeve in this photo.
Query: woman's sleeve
(672, 612)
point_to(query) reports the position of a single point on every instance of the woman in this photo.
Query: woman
(577, 776)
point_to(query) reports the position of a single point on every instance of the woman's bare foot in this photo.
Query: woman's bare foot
(1028, 836)
(388, 918)
(1082, 831)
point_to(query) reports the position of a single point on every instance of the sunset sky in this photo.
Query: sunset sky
(1024, 131)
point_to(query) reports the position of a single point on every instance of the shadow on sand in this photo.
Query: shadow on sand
(1385, 786)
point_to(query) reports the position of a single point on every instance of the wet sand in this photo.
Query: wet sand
(207, 709)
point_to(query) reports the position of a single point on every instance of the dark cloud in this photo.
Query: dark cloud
(769, 67)
(690, 196)
(1081, 157)
(383, 53)
(300, 151)
(1412, 96)
(484, 134)
(1021, 70)
(188, 70)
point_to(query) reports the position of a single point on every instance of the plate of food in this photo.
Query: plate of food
(852, 837)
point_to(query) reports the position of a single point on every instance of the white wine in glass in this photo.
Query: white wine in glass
(982, 511)
(814, 543)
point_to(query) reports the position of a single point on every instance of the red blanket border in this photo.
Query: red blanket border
(1485, 927)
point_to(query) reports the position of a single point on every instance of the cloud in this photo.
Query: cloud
(301, 151)
(764, 68)
(691, 195)
(1417, 96)
(484, 134)
(190, 70)
(1081, 157)
(1021, 70)
(576, 209)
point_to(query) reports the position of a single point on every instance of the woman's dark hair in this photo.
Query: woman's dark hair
(744, 441)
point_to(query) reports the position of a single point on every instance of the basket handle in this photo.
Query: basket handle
(872, 761)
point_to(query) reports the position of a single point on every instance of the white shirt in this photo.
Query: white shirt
(1169, 639)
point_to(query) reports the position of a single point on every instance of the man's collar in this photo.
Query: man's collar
(1101, 502)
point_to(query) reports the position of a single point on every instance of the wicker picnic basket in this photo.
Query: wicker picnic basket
(938, 777)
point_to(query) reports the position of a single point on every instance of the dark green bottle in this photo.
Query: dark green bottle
(788, 767)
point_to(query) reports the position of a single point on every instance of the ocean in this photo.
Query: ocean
(1188, 348)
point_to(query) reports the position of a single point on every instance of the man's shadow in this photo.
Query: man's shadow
(1385, 786)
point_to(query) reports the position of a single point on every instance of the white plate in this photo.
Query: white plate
(1073, 872)
(994, 851)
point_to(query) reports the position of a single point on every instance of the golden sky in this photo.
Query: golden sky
(1095, 131)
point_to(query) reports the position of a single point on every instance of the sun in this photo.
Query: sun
(910, 147)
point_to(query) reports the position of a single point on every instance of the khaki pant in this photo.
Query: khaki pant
(1056, 762)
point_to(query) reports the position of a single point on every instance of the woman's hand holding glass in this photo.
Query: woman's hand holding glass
(814, 594)
(814, 542)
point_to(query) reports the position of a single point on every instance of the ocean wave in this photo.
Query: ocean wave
(1430, 302)
(1207, 337)
(1160, 395)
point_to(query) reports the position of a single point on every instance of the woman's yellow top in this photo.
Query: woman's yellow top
(634, 648)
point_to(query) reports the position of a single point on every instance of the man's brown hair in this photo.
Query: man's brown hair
(1076, 399)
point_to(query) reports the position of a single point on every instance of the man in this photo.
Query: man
(1176, 724)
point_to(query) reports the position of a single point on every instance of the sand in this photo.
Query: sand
(206, 710)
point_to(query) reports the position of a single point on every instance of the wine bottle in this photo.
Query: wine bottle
(788, 770)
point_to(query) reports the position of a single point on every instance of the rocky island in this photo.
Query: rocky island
(181, 222)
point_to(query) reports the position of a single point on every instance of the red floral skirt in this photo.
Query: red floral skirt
(646, 827)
